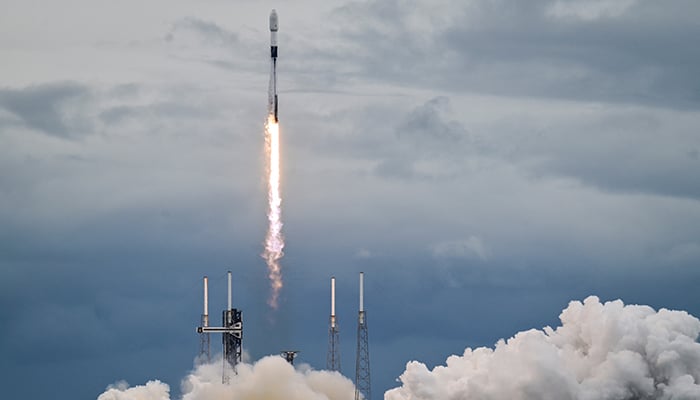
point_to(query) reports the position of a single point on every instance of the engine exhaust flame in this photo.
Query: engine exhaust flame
(274, 241)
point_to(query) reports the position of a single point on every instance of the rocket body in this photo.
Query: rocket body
(274, 26)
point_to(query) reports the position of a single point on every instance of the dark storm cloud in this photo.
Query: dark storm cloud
(642, 54)
(57, 109)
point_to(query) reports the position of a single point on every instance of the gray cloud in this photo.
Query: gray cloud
(163, 109)
(426, 125)
(209, 32)
(427, 144)
(634, 55)
(617, 149)
(57, 109)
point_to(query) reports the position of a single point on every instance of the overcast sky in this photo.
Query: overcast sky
(483, 162)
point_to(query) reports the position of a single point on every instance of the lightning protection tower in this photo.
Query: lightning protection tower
(333, 357)
(362, 376)
(204, 337)
(231, 333)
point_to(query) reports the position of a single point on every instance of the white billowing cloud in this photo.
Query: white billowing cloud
(271, 378)
(602, 351)
(470, 248)
(153, 390)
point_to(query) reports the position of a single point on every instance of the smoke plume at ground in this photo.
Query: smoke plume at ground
(271, 378)
(602, 351)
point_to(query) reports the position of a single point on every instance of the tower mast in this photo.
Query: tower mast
(205, 339)
(362, 375)
(333, 357)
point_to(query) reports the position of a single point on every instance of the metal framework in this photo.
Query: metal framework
(232, 335)
(289, 355)
(333, 356)
(204, 343)
(363, 388)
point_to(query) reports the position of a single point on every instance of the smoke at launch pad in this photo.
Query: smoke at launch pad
(601, 351)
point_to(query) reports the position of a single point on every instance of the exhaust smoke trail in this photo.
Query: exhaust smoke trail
(274, 241)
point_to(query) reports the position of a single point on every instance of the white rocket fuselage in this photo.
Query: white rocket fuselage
(274, 26)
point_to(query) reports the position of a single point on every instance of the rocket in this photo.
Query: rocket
(274, 26)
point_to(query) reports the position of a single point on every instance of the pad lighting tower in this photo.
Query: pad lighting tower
(362, 376)
(333, 357)
(231, 333)
(205, 339)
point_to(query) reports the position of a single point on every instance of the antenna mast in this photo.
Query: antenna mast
(205, 339)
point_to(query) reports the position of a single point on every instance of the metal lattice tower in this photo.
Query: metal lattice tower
(363, 389)
(289, 355)
(333, 356)
(205, 337)
(232, 341)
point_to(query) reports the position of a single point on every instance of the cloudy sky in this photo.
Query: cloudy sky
(484, 162)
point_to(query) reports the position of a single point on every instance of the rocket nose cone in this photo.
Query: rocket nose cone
(273, 21)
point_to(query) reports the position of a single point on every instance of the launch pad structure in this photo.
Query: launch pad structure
(289, 355)
(205, 338)
(232, 337)
(363, 388)
(231, 332)
(333, 355)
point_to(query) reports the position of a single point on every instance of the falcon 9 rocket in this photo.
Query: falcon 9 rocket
(274, 26)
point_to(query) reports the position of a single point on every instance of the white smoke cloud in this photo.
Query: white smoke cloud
(601, 352)
(153, 390)
(271, 378)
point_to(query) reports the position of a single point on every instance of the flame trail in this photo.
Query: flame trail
(274, 242)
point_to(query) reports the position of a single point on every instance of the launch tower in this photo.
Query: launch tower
(333, 357)
(204, 337)
(231, 333)
(289, 355)
(362, 376)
